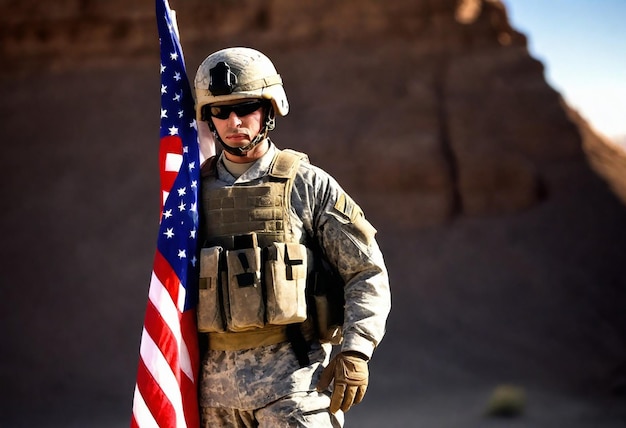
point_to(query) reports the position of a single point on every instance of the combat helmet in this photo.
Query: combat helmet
(239, 73)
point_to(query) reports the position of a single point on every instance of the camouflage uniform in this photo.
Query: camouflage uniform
(267, 384)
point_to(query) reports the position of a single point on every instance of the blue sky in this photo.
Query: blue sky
(582, 44)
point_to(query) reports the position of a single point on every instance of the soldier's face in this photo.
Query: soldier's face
(238, 122)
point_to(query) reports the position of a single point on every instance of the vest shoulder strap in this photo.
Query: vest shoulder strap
(286, 163)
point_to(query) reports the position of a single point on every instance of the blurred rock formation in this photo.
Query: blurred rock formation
(437, 103)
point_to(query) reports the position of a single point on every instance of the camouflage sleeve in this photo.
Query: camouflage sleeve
(349, 243)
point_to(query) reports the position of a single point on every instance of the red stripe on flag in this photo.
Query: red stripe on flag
(166, 276)
(188, 388)
(154, 397)
(163, 337)
(189, 330)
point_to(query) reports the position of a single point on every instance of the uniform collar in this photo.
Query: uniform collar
(258, 170)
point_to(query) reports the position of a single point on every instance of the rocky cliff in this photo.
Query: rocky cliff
(436, 103)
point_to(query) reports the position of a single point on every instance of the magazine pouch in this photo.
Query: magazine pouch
(245, 294)
(209, 312)
(285, 282)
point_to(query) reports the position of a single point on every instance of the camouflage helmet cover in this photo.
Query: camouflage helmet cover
(236, 73)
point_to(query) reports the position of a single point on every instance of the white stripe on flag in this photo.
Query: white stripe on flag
(173, 161)
(161, 300)
(182, 295)
(142, 414)
(162, 373)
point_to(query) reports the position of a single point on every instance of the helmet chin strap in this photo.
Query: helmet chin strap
(270, 124)
(242, 151)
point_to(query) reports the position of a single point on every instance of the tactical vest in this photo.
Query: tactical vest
(253, 270)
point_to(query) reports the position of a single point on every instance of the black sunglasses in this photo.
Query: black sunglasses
(240, 109)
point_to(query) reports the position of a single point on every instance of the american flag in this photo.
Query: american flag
(165, 394)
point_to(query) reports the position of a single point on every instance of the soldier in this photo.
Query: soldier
(287, 257)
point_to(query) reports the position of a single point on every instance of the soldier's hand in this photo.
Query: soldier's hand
(350, 372)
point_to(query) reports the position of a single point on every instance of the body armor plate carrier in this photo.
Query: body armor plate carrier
(262, 209)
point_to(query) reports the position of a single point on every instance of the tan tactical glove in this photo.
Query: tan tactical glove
(351, 374)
